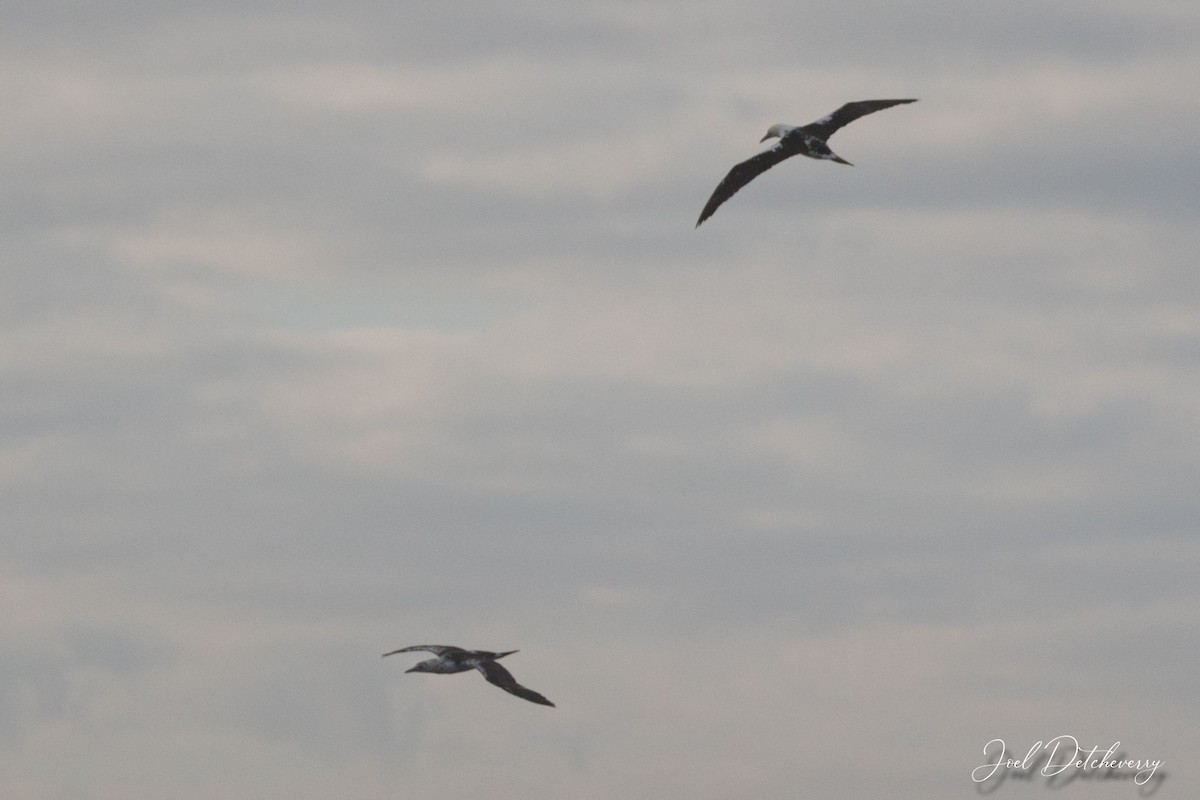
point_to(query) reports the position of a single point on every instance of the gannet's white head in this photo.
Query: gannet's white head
(777, 130)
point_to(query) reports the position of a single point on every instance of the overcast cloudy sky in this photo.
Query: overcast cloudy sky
(330, 328)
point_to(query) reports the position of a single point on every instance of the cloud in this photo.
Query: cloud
(330, 331)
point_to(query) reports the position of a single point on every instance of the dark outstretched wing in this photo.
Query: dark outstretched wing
(437, 649)
(490, 655)
(825, 126)
(499, 676)
(742, 174)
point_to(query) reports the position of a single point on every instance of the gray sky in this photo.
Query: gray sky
(329, 329)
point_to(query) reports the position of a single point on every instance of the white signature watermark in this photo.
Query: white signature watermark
(1062, 760)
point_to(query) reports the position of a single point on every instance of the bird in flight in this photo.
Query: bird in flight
(455, 659)
(806, 140)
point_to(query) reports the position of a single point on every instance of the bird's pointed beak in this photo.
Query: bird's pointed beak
(763, 139)
(414, 669)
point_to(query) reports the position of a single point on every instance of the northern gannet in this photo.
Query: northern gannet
(455, 659)
(806, 140)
